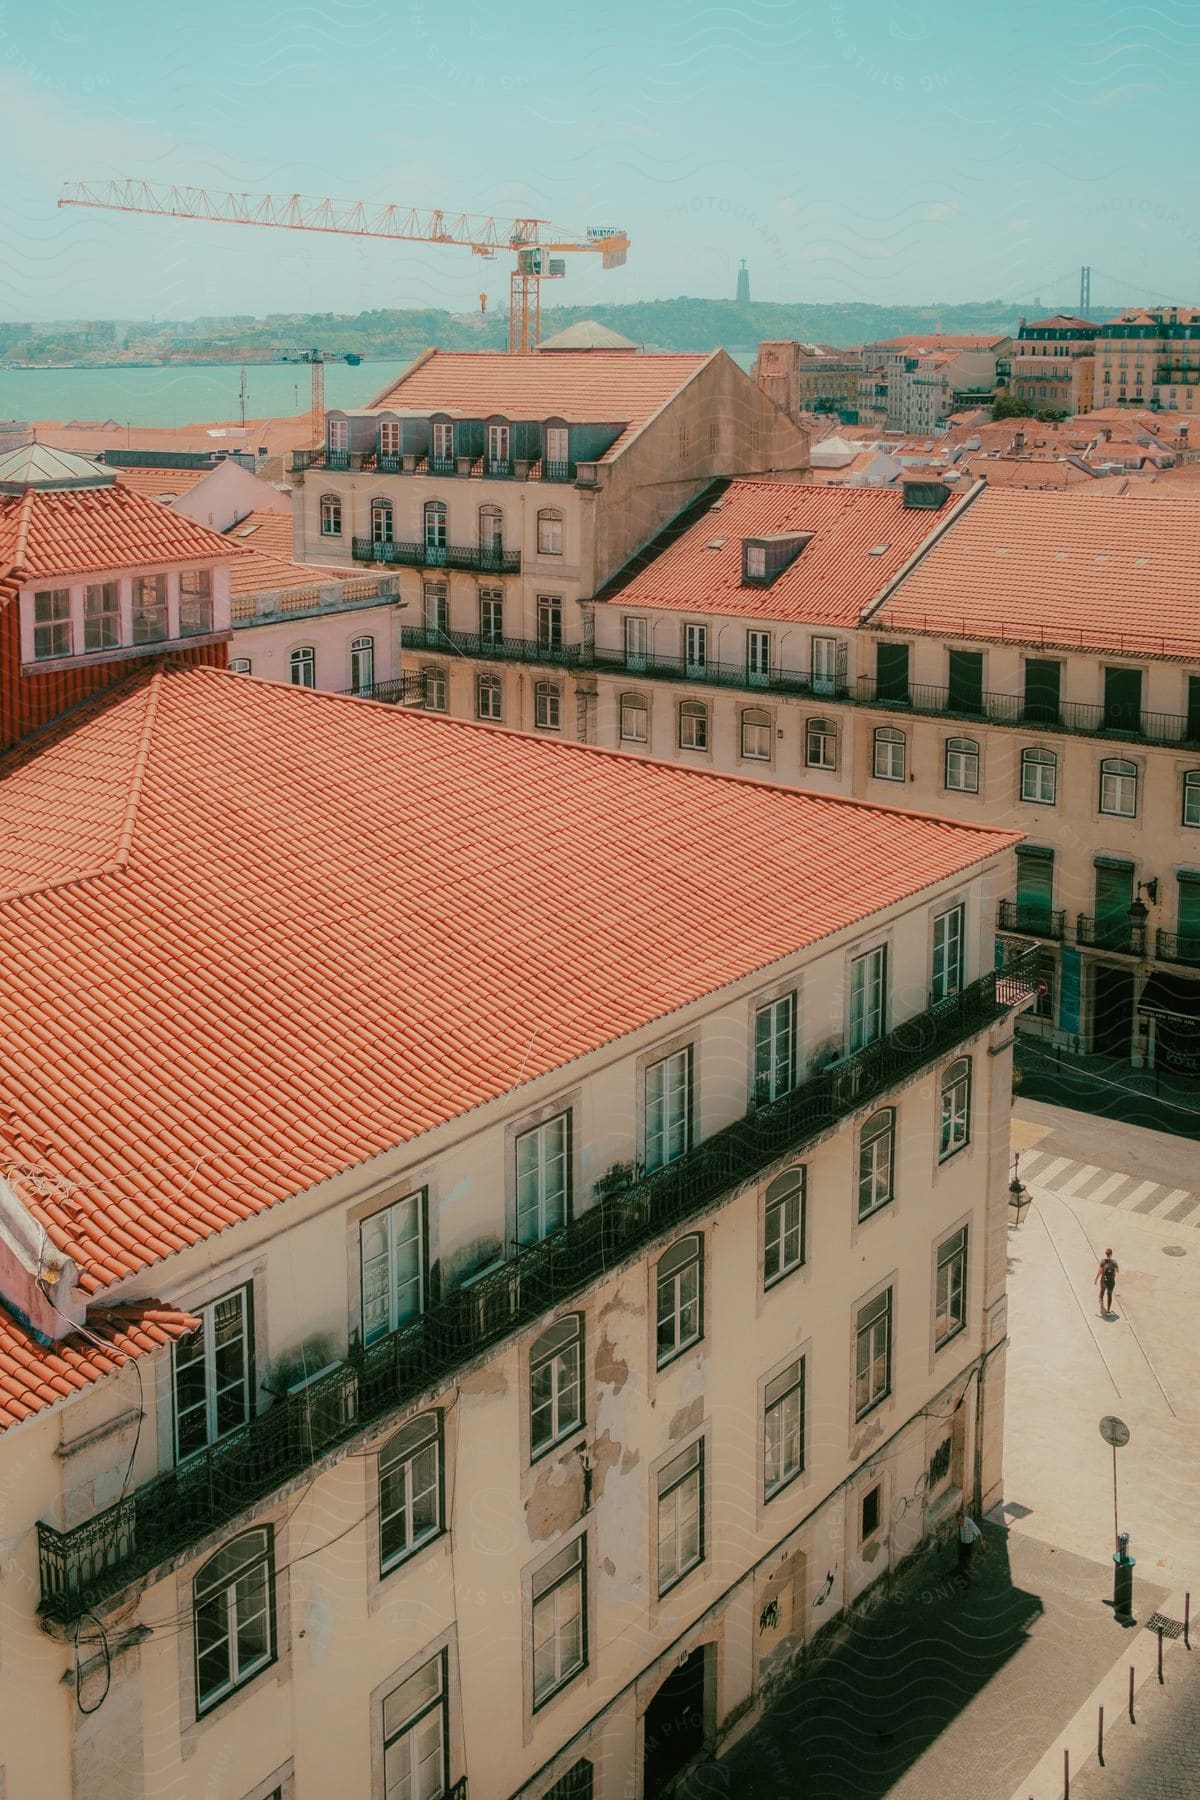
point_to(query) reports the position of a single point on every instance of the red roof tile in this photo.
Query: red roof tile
(830, 582)
(162, 485)
(293, 968)
(268, 533)
(34, 1375)
(64, 532)
(1056, 569)
(580, 386)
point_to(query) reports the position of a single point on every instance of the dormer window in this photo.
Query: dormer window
(52, 623)
(443, 442)
(149, 609)
(763, 558)
(195, 602)
(102, 616)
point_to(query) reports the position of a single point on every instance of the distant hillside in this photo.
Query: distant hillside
(683, 324)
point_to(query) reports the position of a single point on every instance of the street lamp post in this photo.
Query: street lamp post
(1018, 1193)
(1115, 1432)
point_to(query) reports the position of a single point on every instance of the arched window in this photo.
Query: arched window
(889, 753)
(756, 734)
(547, 702)
(362, 665)
(820, 744)
(489, 698)
(1118, 787)
(302, 667)
(550, 532)
(784, 1226)
(693, 725)
(1039, 776)
(635, 721)
(239, 665)
(680, 1283)
(233, 1616)
(955, 1130)
(410, 1489)
(1191, 797)
(331, 515)
(435, 524)
(491, 528)
(556, 1383)
(962, 765)
(381, 521)
(876, 1161)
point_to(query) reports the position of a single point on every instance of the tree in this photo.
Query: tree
(1053, 415)
(1011, 406)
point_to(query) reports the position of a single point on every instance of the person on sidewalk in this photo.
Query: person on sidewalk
(1106, 1275)
(969, 1535)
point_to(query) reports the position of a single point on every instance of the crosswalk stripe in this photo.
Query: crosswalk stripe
(1185, 1207)
(1045, 1177)
(1135, 1202)
(1107, 1187)
(1029, 1157)
(1160, 1206)
(1074, 1182)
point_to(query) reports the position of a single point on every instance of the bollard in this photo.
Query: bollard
(1160, 1673)
(1132, 1720)
(1100, 1739)
(1066, 1775)
(1187, 1619)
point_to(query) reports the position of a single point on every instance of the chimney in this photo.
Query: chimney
(1018, 444)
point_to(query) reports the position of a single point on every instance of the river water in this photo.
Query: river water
(184, 393)
(187, 393)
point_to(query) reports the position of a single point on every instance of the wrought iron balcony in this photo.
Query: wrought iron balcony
(1117, 934)
(1178, 947)
(437, 556)
(558, 471)
(498, 465)
(1074, 716)
(718, 674)
(82, 1567)
(489, 647)
(406, 690)
(1033, 921)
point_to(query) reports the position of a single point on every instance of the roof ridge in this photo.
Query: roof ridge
(18, 561)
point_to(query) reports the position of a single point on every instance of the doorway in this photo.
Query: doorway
(674, 1723)
(1112, 1010)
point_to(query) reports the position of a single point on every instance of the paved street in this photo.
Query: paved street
(939, 1694)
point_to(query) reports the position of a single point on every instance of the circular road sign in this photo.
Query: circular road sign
(1114, 1431)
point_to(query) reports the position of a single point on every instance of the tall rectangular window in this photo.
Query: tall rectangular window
(52, 623)
(868, 998)
(549, 622)
(212, 1374)
(195, 602)
(758, 658)
(695, 649)
(415, 1735)
(824, 665)
(559, 1595)
(233, 1616)
(1122, 699)
(955, 1108)
(543, 1179)
(873, 1353)
(947, 954)
(556, 1383)
(668, 1109)
(877, 1161)
(775, 1048)
(965, 687)
(436, 607)
(1043, 685)
(149, 609)
(680, 1517)
(679, 1297)
(783, 1428)
(101, 616)
(392, 1245)
(443, 442)
(950, 1301)
(784, 1226)
(410, 1489)
(491, 615)
(891, 673)
(637, 643)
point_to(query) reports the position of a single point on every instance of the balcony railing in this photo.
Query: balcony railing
(1119, 935)
(1178, 947)
(406, 690)
(437, 556)
(718, 674)
(1033, 921)
(1075, 716)
(490, 648)
(82, 1567)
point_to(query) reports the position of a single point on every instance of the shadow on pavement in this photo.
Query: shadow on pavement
(908, 1664)
(1158, 1099)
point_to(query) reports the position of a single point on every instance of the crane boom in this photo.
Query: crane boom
(481, 233)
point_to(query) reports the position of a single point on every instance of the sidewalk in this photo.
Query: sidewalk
(1162, 1099)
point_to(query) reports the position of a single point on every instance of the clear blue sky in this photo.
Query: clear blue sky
(873, 150)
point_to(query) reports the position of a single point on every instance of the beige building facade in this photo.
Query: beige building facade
(523, 1457)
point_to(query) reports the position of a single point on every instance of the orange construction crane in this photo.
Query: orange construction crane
(539, 249)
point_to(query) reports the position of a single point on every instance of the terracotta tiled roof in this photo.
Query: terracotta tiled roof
(269, 532)
(581, 386)
(34, 1375)
(1058, 569)
(292, 968)
(257, 573)
(917, 342)
(830, 582)
(72, 532)
(162, 485)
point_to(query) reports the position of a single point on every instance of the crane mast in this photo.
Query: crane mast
(539, 248)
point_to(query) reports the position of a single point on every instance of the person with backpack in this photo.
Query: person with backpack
(1106, 1275)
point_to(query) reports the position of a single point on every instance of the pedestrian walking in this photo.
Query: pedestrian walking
(1106, 1276)
(969, 1535)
